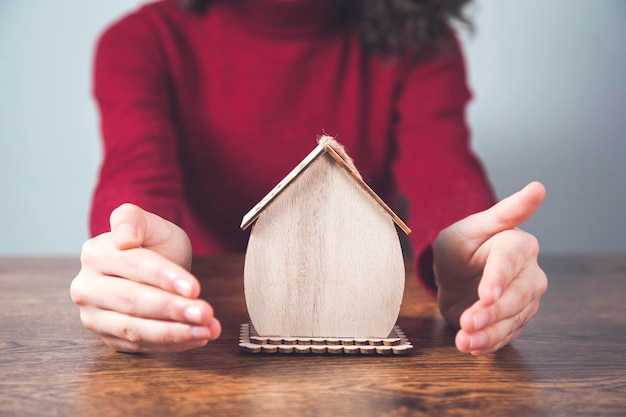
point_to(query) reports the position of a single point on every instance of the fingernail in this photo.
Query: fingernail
(125, 231)
(200, 333)
(480, 320)
(216, 328)
(183, 287)
(477, 341)
(193, 313)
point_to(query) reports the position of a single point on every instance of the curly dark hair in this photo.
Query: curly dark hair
(394, 26)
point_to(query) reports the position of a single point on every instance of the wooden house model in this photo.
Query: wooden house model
(324, 257)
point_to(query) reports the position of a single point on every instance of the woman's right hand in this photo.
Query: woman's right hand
(135, 291)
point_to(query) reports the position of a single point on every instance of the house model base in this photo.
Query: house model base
(251, 342)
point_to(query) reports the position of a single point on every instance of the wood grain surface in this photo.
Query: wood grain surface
(570, 361)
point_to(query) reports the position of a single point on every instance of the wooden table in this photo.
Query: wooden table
(570, 361)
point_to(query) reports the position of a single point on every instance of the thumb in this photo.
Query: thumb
(133, 227)
(128, 226)
(506, 214)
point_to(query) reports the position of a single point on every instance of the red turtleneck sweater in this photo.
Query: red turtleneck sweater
(202, 114)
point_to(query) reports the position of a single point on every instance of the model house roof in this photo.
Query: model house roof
(326, 145)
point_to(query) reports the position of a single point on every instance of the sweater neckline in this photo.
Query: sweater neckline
(286, 17)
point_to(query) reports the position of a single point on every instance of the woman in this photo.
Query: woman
(206, 105)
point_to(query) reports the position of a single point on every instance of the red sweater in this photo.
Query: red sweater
(202, 114)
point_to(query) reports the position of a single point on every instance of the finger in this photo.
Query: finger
(143, 333)
(509, 252)
(526, 289)
(133, 227)
(128, 226)
(504, 342)
(122, 345)
(506, 214)
(140, 300)
(99, 257)
(495, 336)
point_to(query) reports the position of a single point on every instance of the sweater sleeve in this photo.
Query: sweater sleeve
(140, 153)
(437, 172)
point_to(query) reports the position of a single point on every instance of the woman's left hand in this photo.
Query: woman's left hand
(490, 283)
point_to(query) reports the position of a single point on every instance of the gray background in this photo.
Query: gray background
(549, 78)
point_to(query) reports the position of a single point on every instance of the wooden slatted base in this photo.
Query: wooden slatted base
(251, 342)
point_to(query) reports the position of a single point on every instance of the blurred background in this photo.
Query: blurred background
(549, 78)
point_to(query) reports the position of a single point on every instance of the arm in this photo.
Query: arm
(133, 92)
(134, 289)
(437, 170)
(489, 282)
